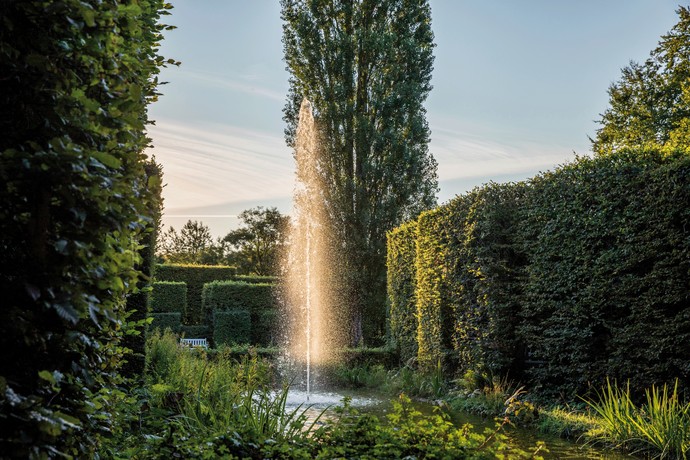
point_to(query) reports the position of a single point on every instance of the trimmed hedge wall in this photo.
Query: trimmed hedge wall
(434, 318)
(238, 295)
(195, 276)
(402, 275)
(575, 275)
(170, 320)
(608, 288)
(256, 279)
(196, 332)
(169, 297)
(231, 327)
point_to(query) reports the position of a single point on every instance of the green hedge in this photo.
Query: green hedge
(256, 279)
(608, 287)
(231, 327)
(76, 78)
(401, 272)
(196, 332)
(238, 295)
(486, 264)
(265, 330)
(163, 321)
(195, 276)
(169, 296)
(434, 315)
(575, 275)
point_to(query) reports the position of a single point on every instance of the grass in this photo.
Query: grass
(659, 427)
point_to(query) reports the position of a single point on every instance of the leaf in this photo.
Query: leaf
(107, 159)
(67, 312)
(47, 376)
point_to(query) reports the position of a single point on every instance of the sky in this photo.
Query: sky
(518, 87)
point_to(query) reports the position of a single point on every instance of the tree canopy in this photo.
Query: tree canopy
(256, 246)
(365, 66)
(650, 104)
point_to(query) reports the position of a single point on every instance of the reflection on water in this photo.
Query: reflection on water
(370, 402)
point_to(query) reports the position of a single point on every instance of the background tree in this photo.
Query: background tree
(650, 104)
(193, 245)
(366, 67)
(256, 246)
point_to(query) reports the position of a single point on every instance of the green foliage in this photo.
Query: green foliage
(434, 317)
(77, 77)
(237, 295)
(198, 332)
(169, 320)
(138, 303)
(367, 78)
(607, 280)
(660, 427)
(650, 105)
(231, 327)
(256, 279)
(401, 258)
(256, 247)
(193, 245)
(577, 274)
(195, 276)
(169, 296)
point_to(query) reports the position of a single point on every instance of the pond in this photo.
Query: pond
(371, 402)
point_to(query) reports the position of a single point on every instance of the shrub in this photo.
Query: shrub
(231, 327)
(434, 317)
(400, 262)
(256, 279)
(195, 276)
(238, 295)
(196, 332)
(264, 329)
(76, 81)
(164, 321)
(169, 296)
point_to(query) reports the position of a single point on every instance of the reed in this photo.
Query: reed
(660, 427)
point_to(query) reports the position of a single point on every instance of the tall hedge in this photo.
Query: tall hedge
(608, 292)
(195, 276)
(575, 275)
(486, 265)
(238, 295)
(400, 263)
(434, 315)
(76, 78)
(169, 296)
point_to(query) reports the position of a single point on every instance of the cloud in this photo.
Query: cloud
(209, 165)
(464, 151)
(244, 84)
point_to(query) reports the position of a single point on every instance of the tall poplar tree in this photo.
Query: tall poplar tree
(365, 66)
(650, 104)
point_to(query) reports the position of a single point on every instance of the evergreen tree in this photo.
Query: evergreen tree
(365, 65)
(650, 104)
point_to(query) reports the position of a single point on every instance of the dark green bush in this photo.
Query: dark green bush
(196, 332)
(608, 286)
(256, 279)
(238, 295)
(169, 296)
(231, 327)
(195, 276)
(76, 79)
(401, 257)
(265, 328)
(578, 274)
(163, 321)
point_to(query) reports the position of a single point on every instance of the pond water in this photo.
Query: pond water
(370, 402)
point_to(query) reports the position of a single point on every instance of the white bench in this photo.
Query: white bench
(194, 342)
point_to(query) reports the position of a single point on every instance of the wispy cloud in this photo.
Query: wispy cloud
(241, 83)
(469, 152)
(209, 165)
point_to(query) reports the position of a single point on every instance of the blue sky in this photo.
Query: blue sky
(518, 86)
